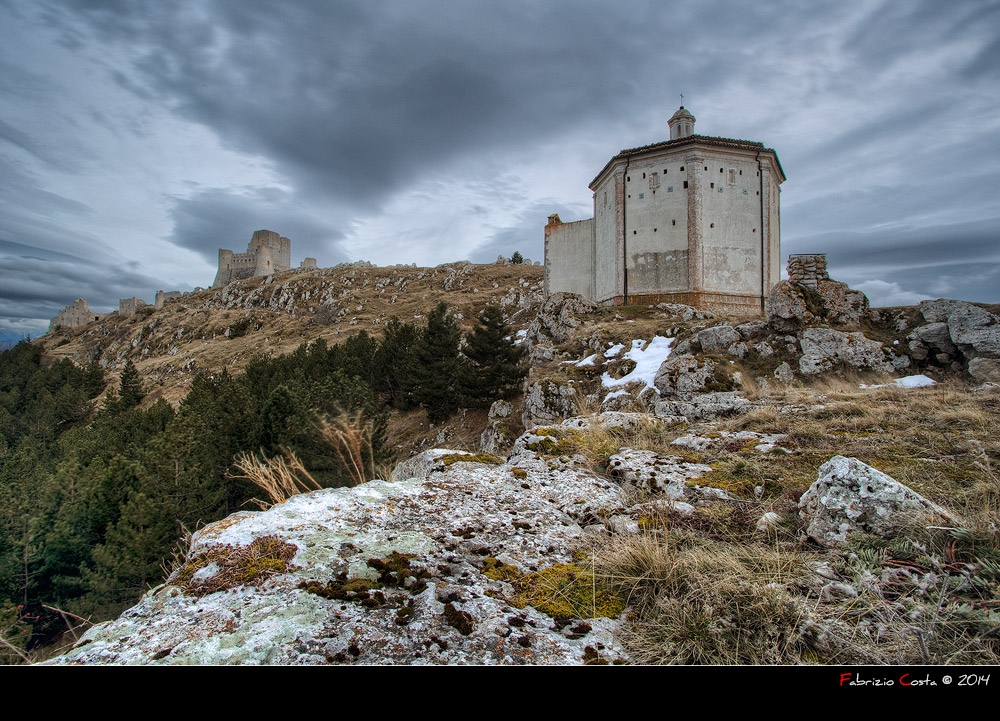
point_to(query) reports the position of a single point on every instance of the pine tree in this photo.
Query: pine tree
(437, 365)
(394, 360)
(517, 258)
(130, 387)
(494, 369)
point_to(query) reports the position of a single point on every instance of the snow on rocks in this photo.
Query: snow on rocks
(850, 496)
(647, 358)
(417, 549)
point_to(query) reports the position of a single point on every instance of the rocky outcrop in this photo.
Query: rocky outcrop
(686, 375)
(558, 317)
(791, 306)
(959, 334)
(415, 571)
(824, 348)
(852, 497)
(547, 402)
(497, 437)
(655, 472)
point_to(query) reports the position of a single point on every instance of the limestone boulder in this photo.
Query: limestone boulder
(497, 437)
(791, 306)
(655, 472)
(975, 331)
(702, 406)
(718, 339)
(408, 572)
(684, 312)
(557, 317)
(985, 370)
(547, 402)
(686, 375)
(824, 348)
(852, 497)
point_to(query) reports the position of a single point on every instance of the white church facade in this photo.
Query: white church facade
(694, 220)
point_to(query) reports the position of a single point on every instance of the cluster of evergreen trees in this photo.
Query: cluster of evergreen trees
(91, 503)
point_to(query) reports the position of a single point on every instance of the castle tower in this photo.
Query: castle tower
(681, 124)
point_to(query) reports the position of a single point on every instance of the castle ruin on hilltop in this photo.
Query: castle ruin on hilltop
(267, 253)
(694, 219)
(76, 315)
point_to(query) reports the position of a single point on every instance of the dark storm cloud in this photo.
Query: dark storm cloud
(354, 100)
(212, 219)
(884, 114)
(34, 289)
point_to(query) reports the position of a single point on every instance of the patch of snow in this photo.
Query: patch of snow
(615, 394)
(614, 350)
(588, 361)
(648, 359)
(918, 381)
(520, 337)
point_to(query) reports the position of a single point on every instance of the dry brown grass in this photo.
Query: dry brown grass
(279, 477)
(350, 437)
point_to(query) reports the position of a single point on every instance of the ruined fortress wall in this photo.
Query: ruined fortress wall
(267, 252)
(128, 307)
(76, 315)
(163, 296)
(569, 257)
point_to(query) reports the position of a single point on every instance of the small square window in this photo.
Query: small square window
(670, 188)
(685, 184)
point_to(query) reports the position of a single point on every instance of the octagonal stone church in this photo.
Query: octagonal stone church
(694, 220)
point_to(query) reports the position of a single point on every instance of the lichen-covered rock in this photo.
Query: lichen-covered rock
(850, 496)
(416, 571)
(717, 339)
(985, 370)
(975, 331)
(497, 438)
(733, 441)
(823, 348)
(703, 406)
(558, 317)
(684, 312)
(791, 306)
(784, 373)
(655, 472)
(686, 375)
(547, 402)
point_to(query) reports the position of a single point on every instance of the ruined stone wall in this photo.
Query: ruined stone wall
(569, 257)
(76, 315)
(128, 307)
(163, 296)
(807, 270)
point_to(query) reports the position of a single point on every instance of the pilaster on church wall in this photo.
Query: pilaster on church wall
(694, 164)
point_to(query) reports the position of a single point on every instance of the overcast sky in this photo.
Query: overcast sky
(137, 138)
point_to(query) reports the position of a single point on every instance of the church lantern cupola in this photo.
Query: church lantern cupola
(681, 124)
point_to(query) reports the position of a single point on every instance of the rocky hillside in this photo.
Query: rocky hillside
(221, 328)
(673, 487)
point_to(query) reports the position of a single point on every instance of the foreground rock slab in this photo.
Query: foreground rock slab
(852, 497)
(383, 573)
